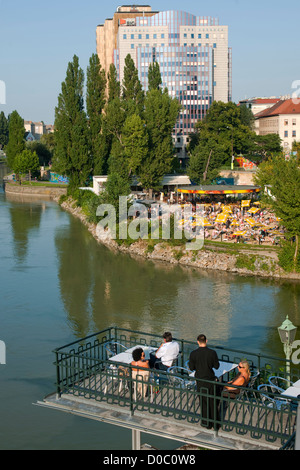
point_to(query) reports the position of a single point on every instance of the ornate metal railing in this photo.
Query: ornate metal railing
(83, 369)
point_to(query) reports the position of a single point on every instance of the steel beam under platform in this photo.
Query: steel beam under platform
(157, 426)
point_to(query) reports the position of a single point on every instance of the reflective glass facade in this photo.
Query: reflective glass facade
(193, 56)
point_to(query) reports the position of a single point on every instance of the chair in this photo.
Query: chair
(114, 348)
(269, 399)
(280, 382)
(180, 377)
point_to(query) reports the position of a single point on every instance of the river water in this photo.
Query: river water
(58, 284)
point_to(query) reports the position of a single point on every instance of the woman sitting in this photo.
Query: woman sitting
(139, 372)
(242, 380)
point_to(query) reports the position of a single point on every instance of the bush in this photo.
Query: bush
(286, 257)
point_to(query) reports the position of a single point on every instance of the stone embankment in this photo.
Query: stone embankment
(34, 191)
(250, 261)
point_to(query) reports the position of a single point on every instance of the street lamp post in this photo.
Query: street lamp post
(287, 333)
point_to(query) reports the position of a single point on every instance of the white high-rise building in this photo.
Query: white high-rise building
(193, 55)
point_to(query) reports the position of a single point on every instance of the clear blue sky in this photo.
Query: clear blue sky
(38, 39)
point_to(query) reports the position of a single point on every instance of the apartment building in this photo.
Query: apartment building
(35, 130)
(192, 52)
(283, 118)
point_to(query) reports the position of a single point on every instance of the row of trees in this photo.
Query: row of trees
(117, 129)
(23, 157)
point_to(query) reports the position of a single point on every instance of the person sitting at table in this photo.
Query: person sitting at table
(166, 354)
(241, 379)
(139, 372)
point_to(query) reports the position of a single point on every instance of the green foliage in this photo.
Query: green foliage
(16, 142)
(41, 150)
(161, 112)
(4, 131)
(72, 156)
(133, 94)
(286, 258)
(26, 162)
(246, 261)
(95, 102)
(154, 77)
(219, 135)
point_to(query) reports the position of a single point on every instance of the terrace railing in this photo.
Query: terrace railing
(83, 370)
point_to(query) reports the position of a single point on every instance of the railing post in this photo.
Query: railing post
(131, 391)
(297, 437)
(58, 389)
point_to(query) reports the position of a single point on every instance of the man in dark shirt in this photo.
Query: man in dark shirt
(203, 360)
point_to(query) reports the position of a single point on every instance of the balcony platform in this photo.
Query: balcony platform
(157, 425)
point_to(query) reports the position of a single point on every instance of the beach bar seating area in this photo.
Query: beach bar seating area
(94, 379)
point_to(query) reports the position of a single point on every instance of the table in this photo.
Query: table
(126, 356)
(293, 391)
(223, 369)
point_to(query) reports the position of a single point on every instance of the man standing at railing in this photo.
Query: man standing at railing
(203, 360)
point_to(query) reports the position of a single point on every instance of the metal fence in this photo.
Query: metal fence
(83, 369)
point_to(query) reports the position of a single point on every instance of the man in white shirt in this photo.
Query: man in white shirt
(166, 353)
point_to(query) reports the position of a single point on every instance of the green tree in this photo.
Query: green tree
(154, 77)
(283, 177)
(219, 135)
(161, 112)
(3, 130)
(133, 94)
(95, 102)
(41, 150)
(114, 87)
(26, 162)
(135, 141)
(16, 142)
(268, 145)
(72, 156)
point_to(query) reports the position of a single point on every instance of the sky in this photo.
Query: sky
(39, 39)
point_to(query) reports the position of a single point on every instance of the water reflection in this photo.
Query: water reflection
(100, 288)
(25, 220)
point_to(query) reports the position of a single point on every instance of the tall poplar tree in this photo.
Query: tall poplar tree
(133, 94)
(3, 130)
(161, 112)
(95, 102)
(154, 77)
(72, 156)
(16, 142)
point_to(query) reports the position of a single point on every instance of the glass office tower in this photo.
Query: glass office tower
(194, 60)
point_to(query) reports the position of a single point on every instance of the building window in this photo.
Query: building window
(132, 36)
(192, 36)
(286, 134)
(294, 122)
(154, 36)
(286, 122)
(140, 36)
(207, 36)
(124, 36)
(162, 36)
(294, 133)
(132, 46)
(147, 36)
(199, 36)
(214, 45)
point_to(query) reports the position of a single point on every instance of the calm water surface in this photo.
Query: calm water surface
(58, 284)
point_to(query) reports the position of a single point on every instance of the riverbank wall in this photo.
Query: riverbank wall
(48, 192)
(246, 262)
(242, 261)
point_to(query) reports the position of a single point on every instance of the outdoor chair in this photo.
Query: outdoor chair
(269, 399)
(280, 382)
(180, 377)
(114, 348)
